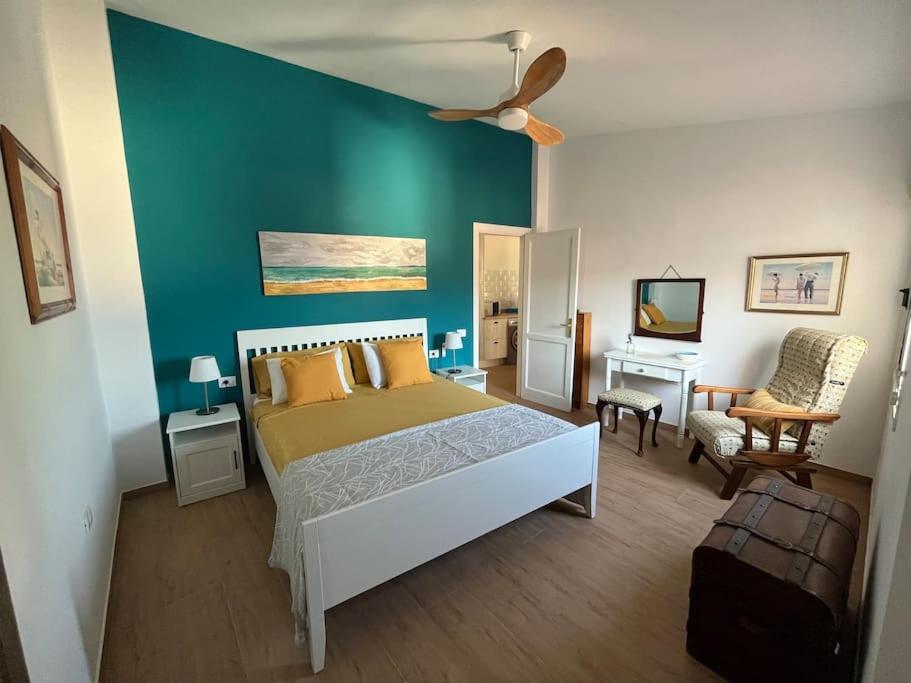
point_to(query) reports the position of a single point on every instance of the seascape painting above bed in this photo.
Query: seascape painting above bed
(314, 263)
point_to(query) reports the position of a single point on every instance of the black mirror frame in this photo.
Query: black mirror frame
(640, 331)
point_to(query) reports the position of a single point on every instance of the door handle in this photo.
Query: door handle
(235, 460)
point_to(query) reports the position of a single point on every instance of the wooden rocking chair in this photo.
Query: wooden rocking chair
(814, 369)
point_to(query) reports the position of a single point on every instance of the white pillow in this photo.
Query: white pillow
(277, 378)
(374, 365)
(648, 320)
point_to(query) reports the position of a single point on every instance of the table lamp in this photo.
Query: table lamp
(453, 342)
(204, 369)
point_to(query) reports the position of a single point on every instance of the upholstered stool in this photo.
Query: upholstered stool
(639, 402)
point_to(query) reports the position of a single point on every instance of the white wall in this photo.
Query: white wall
(705, 198)
(56, 450)
(77, 381)
(83, 81)
(884, 654)
(501, 252)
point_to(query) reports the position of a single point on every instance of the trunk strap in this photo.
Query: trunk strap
(742, 534)
(824, 507)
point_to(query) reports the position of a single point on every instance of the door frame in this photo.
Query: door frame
(479, 229)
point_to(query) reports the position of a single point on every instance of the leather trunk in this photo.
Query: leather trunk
(770, 584)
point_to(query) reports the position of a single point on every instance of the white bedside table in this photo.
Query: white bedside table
(206, 453)
(470, 377)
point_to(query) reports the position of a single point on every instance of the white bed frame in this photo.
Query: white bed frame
(354, 549)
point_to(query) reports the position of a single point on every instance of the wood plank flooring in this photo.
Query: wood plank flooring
(552, 596)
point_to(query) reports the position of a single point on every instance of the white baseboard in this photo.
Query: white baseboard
(107, 597)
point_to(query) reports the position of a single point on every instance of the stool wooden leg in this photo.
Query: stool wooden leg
(599, 408)
(732, 484)
(643, 418)
(616, 419)
(657, 410)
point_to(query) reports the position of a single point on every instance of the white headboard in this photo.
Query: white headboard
(251, 343)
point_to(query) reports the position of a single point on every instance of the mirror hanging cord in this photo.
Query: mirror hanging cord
(671, 267)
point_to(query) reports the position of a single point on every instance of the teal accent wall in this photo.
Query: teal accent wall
(222, 142)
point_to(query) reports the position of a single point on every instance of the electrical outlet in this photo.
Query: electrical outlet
(88, 519)
(227, 382)
(462, 331)
(433, 353)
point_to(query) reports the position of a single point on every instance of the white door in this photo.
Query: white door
(550, 288)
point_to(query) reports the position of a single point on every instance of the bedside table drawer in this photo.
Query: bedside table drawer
(204, 468)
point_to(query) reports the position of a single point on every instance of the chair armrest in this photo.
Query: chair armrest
(748, 414)
(711, 390)
(775, 415)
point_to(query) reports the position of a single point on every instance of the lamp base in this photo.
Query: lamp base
(207, 411)
(453, 371)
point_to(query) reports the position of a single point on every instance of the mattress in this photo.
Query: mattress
(290, 434)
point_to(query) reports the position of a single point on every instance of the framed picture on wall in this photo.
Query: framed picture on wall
(316, 263)
(797, 283)
(44, 252)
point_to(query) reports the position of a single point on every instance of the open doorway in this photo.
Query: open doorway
(497, 277)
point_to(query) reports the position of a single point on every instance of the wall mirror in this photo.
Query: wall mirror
(670, 308)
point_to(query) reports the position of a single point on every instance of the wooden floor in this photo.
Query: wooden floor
(552, 596)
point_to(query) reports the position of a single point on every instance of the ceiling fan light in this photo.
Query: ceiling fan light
(512, 118)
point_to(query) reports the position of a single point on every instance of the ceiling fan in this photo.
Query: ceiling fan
(512, 111)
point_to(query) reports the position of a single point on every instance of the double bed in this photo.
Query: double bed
(375, 485)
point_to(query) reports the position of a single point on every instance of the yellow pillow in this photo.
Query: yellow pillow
(654, 313)
(404, 363)
(263, 384)
(359, 365)
(312, 379)
(763, 400)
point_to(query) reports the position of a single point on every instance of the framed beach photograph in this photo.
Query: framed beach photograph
(44, 251)
(797, 283)
(316, 263)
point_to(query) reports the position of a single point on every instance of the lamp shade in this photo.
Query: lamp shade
(204, 369)
(453, 341)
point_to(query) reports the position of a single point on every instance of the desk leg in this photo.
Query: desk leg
(681, 416)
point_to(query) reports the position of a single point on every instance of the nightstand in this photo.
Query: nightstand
(206, 454)
(470, 377)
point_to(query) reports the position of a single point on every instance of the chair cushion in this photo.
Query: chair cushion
(725, 435)
(630, 398)
(763, 400)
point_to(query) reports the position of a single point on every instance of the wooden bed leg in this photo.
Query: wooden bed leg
(313, 579)
(588, 502)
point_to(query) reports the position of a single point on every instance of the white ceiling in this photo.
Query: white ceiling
(631, 63)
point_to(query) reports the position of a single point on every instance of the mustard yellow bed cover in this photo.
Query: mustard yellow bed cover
(293, 433)
(672, 327)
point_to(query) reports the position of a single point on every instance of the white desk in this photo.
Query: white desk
(662, 367)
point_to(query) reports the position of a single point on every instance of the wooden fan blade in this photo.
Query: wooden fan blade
(541, 76)
(460, 114)
(543, 133)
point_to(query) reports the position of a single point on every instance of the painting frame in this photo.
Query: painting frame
(834, 267)
(302, 263)
(42, 305)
